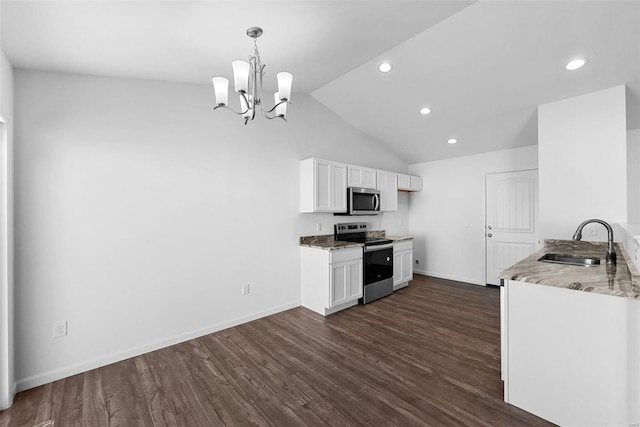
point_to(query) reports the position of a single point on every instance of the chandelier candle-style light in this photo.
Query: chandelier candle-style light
(247, 78)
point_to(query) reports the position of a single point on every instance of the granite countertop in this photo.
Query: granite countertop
(399, 238)
(326, 241)
(622, 280)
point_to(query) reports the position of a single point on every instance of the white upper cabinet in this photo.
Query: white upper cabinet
(409, 183)
(388, 186)
(362, 177)
(416, 183)
(404, 182)
(323, 186)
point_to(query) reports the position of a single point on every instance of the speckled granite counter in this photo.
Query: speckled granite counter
(399, 238)
(622, 280)
(326, 241)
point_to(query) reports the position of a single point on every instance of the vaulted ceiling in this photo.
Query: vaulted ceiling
(482, 67)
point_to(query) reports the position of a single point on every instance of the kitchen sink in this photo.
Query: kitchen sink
(571, 260)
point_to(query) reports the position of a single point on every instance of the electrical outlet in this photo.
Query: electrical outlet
(60, 329)
(245, 289)
(590, 230)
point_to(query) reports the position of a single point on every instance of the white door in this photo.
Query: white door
(511, 226)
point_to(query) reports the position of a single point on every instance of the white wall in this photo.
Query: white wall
(582, 145)
(7, 385)
(447, 218)
(140, 213)
(633, 176)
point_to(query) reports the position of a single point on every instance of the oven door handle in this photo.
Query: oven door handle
(374, 248)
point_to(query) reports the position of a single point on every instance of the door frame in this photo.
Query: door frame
(484, 208)
(7, 382)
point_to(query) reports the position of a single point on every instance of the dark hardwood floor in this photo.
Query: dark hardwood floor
(427, 355)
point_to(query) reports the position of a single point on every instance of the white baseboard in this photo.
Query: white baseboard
(67, 371)
(449, 277)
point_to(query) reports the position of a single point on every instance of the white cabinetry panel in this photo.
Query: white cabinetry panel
(360, 176)
(416, 183)
(402, 263)
(409, 182)
(331, 280)
(388, 186)
(323, 186)
(571, 357)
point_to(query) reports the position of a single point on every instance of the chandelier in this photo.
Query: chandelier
(247, 78)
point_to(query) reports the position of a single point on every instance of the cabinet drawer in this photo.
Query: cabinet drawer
(340, 255)
(403, 245)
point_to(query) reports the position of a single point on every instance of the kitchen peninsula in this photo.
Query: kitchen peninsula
(571, 337)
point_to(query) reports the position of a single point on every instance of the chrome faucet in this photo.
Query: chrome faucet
(611, 252)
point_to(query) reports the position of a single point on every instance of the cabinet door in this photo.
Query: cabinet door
(407, 266)
(397, 268)
(330, 182)
(346, 282)
(404, 182)
(361, 177)
(416, 183)
(409, 183)
(356, 281)
(339, 187)
(323, 185)
(388, 186)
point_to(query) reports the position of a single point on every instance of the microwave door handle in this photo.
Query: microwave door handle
(376, 202)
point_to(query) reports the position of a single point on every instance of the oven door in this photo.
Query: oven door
(378, 272)
(378, 263)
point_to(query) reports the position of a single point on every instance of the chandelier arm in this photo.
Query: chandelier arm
(230, 109)
(279, 103)
(273, 117)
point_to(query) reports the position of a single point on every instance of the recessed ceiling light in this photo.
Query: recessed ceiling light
(452, 141)
(425, 110)
(385, 67)
(575, 64)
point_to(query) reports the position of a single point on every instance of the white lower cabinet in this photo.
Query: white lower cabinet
(331, 280)
(402, 263)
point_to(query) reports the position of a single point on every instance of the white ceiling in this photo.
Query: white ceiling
(482, 67)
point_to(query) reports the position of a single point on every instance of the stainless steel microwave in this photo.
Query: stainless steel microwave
(363, 201)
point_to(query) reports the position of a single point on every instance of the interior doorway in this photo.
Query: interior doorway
(511, 220)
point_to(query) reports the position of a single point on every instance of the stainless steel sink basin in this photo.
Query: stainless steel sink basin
(571, 260)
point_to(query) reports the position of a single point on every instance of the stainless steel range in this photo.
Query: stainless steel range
(377, 259)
